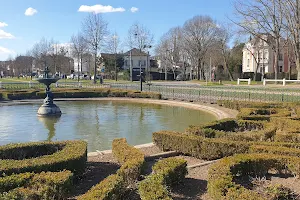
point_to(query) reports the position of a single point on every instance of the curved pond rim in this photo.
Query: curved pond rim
(217, 111)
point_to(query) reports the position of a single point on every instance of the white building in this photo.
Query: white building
(258, 56)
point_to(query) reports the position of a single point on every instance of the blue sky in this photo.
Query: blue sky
(59, 19)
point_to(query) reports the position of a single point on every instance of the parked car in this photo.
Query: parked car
(180, 77)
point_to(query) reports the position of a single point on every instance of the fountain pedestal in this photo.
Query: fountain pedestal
(48, 108)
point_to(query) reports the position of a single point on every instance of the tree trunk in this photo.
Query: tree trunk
(95, 69)
(298, 67)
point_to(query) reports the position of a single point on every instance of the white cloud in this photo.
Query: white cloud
(99, 9)
(5, 35)
(2, 24)
(134, 9)
(30, 11)
(4, 50)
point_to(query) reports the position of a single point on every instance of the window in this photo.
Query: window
(280, 69)
(280, 56)
(248, 62)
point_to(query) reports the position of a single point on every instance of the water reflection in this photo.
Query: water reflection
(49, 123)
(97, 122)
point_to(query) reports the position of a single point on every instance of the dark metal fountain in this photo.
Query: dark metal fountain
(48, 108)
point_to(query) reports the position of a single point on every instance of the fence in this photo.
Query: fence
(284, 81)
(185, 92)
(212, 94)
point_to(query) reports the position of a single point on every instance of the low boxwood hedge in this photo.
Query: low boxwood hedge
(111, 188)
(197, 146)
(166, 172)
(131, 159)
(78, 93)
(238, 130)
(43, 156)
(45, 185)
(237, 105)
(262, 113)
(221, 176)
(114, 186)
(215, 148)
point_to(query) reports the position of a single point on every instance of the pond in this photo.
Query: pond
(97, 122)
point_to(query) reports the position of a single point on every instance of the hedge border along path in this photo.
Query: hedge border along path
(237, 130)
(166, 172)
(114, 186)
(78, 93)
(45, 185)
(72, 156)
(222, 173)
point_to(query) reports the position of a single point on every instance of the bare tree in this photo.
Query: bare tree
(139, 36)
(170, 49)
(264, 20)
(79, 48)
(40, 50)
(199, 33)
(94, 29)
(291, 12)
(225, 34)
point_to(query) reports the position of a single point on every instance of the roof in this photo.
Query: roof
(135, 52)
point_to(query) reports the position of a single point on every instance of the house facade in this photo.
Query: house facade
(258, 56)
(140, 61)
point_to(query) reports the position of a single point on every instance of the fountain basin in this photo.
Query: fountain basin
(49, 110)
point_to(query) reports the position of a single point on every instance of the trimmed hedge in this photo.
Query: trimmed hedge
(215, 148)
(166, 172)
(111, 188)
(43, 156)
(46, 185)
(222, 173)
(131, 159)
(197, 146)
(262, 113)
(78, 93)
(238, 130)
(237, 105)
(288, 130)
(114, 186)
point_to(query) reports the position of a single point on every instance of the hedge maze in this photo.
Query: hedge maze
(40, 170)
(263, 140)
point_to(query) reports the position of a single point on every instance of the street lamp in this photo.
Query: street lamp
(148, 61)
(115, 51)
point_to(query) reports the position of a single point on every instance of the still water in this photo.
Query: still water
(97, 122)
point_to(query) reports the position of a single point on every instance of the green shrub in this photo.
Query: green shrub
(151, 95)
(238, 130)
(131, 159)
(111, 188)
(197, 146)
(237, 105)
(114, 186)
(173, 169)
(154, 188)
(70, 155)
(167, 172)
(222, 173)
(262, 113)
(46, 185)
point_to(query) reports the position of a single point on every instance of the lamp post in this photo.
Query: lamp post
(148, 61)
(168, 51)
(115, 51)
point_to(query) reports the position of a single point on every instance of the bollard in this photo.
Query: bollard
(238, 81)
(283, 82)
(249, 81)
(264, 82)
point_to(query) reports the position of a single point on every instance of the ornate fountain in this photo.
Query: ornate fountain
(48, 108)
